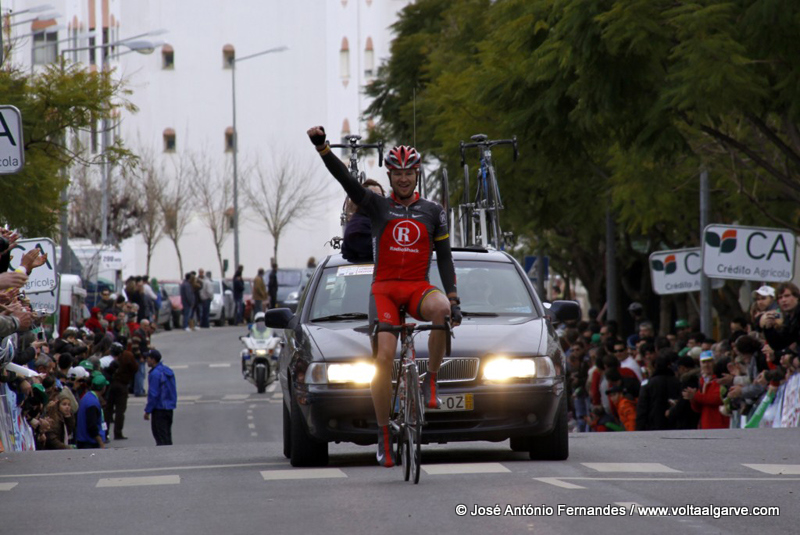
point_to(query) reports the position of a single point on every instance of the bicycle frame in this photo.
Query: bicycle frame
(354, 146)
(488, 203)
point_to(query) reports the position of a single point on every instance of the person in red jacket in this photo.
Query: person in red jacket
(707, 398)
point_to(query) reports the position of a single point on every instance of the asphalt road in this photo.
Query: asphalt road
(226, 474)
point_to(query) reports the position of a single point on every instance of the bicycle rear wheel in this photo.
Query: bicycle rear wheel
(414, 422)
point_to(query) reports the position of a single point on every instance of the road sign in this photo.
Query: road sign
(12, 150)
(678, 271)
(43, 278)
(45, 302)
(111, 260)
(748, 253)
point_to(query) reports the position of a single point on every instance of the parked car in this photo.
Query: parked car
(504, 379)
(291, 283)
(248, 301)
(165, 315)
(173, 290)
(221, 303)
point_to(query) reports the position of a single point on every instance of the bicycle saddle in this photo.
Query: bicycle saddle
(479, 137)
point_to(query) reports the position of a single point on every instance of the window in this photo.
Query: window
(229, 141)
(167, 57)
(228, 56)
(169, 140)
(369, 59)
(45, 49)
(344, 60)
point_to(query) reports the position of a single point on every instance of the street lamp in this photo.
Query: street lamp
(233, 63)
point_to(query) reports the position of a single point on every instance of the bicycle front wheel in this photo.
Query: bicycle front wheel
(414, 422)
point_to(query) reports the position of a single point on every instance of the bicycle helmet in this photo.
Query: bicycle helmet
(403, 157)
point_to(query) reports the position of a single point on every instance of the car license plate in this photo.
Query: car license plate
(454, 403)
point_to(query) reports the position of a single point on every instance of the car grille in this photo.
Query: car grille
(452, 370)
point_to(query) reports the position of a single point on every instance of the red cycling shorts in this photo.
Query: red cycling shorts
(391, 295)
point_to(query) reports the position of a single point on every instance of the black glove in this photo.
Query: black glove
(455, 314)
(318, 139)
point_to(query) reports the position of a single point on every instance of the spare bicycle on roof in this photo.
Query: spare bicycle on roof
(479, 216)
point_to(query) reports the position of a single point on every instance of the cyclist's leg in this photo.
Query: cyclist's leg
(387, 314)
(432, 305)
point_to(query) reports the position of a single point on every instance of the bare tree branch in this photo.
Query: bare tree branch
(149, 184)
(214, 198)
(284, 193)
(177, 204)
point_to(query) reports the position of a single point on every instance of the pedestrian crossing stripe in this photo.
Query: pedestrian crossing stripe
(138, 481)
(776, 469)
(7, 486)
(648, 468)
(303, 473)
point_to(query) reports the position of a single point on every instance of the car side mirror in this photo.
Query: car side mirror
(565, 311)
(278, 318)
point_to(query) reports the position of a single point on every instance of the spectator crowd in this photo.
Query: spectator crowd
(685, 380)
(71, 390)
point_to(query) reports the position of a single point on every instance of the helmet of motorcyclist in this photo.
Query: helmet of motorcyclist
(259, 317)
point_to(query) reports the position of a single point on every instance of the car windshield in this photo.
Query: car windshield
(289, 277)
(171, 288)
(485, 288)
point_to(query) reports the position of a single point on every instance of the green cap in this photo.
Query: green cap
(681, 324)
(86, 365)
(99, 380)
(39, 393)
(596, 339)
(683, 352)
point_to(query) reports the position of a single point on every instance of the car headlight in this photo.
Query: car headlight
(261, 352)
(505, 369)
(340, 373)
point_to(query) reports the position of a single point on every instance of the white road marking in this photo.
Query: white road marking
(253, 434)
(275, 401)
(141, 470)
(251, 426)
(308, 473)
(235, 396)
(207, 401)
(776, 469)
(272, 387)
(465, 468)
(250, 411)
(189, 398)
(277, 395)
(253, 406)
(138, 481)
(220, 365)
(631, 467)
(558, 483)
(240, 402)
(249, 416)
(7, 486)
(179, 366)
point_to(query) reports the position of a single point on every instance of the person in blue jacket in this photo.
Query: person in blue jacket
(162, 398)
(90, 429)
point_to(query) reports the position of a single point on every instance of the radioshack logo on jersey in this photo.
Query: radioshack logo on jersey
(406, 233)
(726, 244)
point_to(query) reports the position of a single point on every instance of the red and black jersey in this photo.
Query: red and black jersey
(403, 237)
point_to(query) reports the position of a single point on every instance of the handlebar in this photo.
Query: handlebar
(482, 140)
(355, 146)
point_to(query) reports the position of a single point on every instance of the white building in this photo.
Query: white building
(183, 92)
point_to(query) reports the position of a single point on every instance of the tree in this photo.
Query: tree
(177, 204)
(149, 182)
(286, 192)
(214, 198)
(52, 103)
(85, 198)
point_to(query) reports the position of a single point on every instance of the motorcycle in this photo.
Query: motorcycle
(260, 355)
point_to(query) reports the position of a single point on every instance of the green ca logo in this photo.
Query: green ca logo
(726, 243)
(668, 266)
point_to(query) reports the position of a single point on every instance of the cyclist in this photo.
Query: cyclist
(406, 229)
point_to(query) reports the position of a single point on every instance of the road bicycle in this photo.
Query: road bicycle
(408, 414)
(351, 142)
(484, 211)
